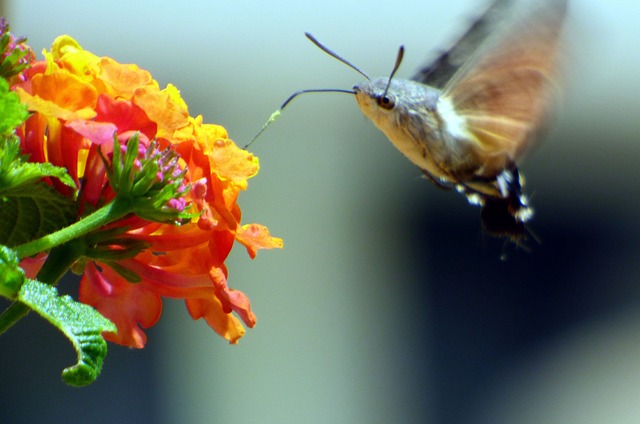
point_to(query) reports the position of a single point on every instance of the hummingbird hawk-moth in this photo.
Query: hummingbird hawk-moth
(468, 118)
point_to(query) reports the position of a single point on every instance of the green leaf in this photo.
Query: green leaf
(31, 212)
(12, 112)
(16, 174)
(30, 209)
(81, 323)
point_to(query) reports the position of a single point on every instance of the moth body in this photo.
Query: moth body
(424, 126)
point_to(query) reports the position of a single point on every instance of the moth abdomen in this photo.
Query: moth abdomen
(507, 213)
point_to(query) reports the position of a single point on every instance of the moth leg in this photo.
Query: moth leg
(437, 182)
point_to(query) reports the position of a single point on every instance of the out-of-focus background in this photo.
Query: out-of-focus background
(387, 304)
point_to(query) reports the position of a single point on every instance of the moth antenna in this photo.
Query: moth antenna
(335, 55)
(395, 69)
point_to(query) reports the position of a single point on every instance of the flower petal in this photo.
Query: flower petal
(100, 133)
(255, 237)
(49, 108)
(65, 90)
(222, 323)
(128, 306)
(164, 107)
(125, 115)
(230, 162)
(124, 79)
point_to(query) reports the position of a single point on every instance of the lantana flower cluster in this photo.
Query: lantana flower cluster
(81, 106)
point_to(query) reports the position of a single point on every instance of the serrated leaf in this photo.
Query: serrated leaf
(32, 212)
(81, 324)
(16, 173)
(12, 112)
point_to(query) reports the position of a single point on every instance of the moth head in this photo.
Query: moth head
(398, 101)
(376, 98)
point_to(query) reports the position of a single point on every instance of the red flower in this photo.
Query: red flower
(79, 101)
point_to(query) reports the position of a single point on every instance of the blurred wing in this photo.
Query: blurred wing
(439, 72)
(501, 97)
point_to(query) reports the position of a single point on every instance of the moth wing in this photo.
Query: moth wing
(437, 73)
(503, 95)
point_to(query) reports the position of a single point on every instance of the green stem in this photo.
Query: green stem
(11, 315)
(113, 211)
(60, 260)
(57, 264)
(66, 247)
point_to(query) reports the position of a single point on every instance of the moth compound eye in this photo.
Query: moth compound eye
(386, 102)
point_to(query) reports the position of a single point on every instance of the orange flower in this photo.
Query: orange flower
(79, 101)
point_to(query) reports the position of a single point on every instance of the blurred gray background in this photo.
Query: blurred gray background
(387, 305)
